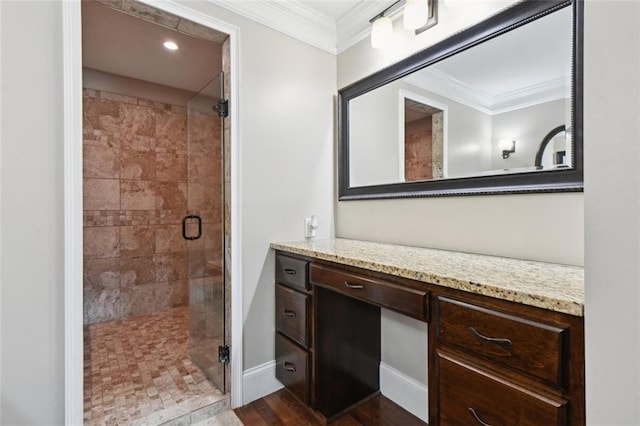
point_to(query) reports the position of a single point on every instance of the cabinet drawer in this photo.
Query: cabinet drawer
(292, 271)
(530, 347)
(406, 300)
(291, 314)
(468, 396)
(292, 367)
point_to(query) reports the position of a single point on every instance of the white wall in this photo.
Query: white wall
(527, 126)
(374, 151)
(32, 309)
(546, 227)
(612, 211)
(286, 148)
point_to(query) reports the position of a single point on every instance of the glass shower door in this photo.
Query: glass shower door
(204, 229)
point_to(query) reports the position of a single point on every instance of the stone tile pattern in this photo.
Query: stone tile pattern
(545, 285)
(137, 372)
(417, 150)
(152, 14)
(137, 189)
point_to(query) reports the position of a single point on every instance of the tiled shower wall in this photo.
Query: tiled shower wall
(137, 188)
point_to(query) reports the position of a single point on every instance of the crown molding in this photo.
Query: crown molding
(441, 83)
(289, 17)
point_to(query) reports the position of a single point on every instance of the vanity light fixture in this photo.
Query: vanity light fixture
(418, 16)
(171, 45)
(507, 146)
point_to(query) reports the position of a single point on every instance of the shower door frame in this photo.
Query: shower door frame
(73, 250)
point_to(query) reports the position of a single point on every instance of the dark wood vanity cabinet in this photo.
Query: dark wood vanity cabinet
(293, 330)
(502, 363)
(490, 361)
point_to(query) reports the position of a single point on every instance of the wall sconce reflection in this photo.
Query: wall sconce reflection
(507, 146)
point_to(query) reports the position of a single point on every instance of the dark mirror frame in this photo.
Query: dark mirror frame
(569, 180)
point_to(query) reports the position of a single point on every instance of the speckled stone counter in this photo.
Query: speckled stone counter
(545, 285)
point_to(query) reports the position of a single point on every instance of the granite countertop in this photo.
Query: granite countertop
(545, 285)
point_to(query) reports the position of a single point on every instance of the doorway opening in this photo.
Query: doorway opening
(156, 226)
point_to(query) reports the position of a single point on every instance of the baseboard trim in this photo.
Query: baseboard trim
(404, 391)
(259, 381)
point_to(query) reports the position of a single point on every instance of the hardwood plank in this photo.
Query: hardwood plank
(249, 416)
(282, 408)
(265, 411)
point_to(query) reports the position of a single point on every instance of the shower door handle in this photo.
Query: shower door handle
(184, 227)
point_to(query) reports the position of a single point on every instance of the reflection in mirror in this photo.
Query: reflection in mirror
(454, 113)
(423, 140)
(555, 150)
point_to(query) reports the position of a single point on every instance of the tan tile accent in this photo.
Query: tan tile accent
(101, 194)
(137, 241)
(169, 239)
(100, 274)
(137, 195)
(171, 267)
(138, 300)
(171, 166)
(203, 196)
(101, 305)
(171, 196)
(101, 242)
(137, 120)
(171, 131)
(137, 271)
(100, 162)
(138, 165)
(199, 31)
(149, 13)
(203, 168)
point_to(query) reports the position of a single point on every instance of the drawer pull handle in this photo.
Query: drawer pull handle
(505, 343)
(289, 366)
(289, 313)
(354, 286)
(290, 271)
(478, 419)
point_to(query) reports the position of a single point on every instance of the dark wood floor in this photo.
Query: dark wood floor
(282, 408)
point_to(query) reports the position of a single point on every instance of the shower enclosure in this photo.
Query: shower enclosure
(203, 228)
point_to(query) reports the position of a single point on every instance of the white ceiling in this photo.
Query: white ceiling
(115, 42)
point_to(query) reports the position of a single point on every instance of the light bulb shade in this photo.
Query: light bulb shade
(505, 144)
(416, 14)
(381, 32)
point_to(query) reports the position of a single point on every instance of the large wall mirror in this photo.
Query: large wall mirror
(496, 108)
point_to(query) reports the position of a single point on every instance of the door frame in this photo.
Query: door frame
(73, 238)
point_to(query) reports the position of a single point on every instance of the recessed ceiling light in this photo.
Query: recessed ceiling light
(170, 45)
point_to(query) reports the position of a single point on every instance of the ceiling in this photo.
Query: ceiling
(115, 42)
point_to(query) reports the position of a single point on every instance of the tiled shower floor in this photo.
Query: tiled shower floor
(137, 372)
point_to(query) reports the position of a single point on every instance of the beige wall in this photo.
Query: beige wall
(32, 265)
(612, 211)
